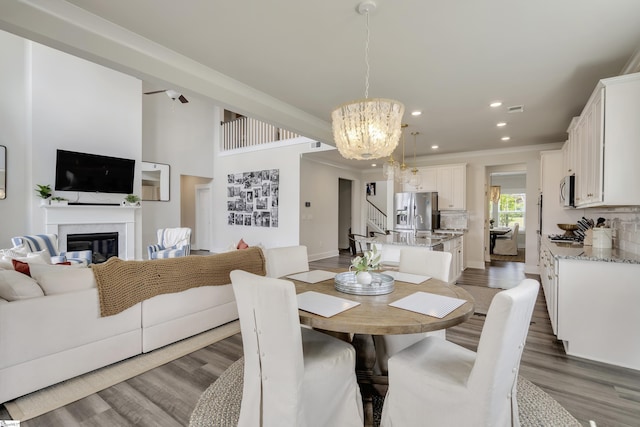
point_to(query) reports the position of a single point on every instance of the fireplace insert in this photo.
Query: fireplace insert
(102, 245)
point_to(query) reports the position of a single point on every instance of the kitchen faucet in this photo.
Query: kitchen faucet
(415, 224)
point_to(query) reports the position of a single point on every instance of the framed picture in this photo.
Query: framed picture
(252, 198)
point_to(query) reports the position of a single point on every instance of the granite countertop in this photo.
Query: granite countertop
(566, 250)
(409, 239)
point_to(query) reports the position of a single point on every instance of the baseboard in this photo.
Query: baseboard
(323, 255)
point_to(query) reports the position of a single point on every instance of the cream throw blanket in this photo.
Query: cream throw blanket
(123, 284)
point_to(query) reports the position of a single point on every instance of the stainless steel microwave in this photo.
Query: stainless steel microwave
(568, 191)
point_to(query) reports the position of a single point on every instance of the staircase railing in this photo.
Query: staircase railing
(245, 132)
(376, 217)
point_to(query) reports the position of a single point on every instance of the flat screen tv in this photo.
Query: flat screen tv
(93, 173)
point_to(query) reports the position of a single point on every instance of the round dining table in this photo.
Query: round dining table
(374, 316)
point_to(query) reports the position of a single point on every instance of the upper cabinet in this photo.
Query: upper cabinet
(450, 181)
(604, 145)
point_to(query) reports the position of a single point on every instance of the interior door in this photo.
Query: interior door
(203, 218)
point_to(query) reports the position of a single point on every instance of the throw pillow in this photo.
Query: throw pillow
(242, 245)
(6, 264)
(21, 267)
(16, 286)
(17, 251)
(61, 279)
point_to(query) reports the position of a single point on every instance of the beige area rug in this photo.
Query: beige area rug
(219, 405)
(482, 295)
(512, 258)
(66, 392)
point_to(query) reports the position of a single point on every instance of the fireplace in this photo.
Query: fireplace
(69, 220)
(102, 245)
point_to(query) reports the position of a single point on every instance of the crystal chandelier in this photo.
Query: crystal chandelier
(367, 128)
(415, 179)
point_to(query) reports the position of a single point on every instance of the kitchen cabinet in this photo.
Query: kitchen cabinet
(592, 304)
(604, 144)
(455, 247)
(569, 150)
(450, 181)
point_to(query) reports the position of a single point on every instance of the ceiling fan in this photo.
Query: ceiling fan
(171, 94)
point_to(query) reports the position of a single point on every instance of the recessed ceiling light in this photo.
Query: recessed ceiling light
(505, 138)
(416, 113)
(373, 165)
(501, 124)
(495, 104)
(435, 147)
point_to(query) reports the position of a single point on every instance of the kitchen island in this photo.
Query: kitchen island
(389, 245)
(592, 296)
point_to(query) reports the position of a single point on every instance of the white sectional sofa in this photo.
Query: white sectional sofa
(51, 328)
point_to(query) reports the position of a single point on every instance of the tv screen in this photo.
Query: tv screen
(93, 173)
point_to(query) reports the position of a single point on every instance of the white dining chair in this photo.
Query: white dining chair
(508, 245)
(293, 376)
(449, 385)
(421, 261)
(286, 260)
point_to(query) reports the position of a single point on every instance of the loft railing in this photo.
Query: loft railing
(245, 132)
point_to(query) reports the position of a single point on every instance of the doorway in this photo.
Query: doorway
(506, 209)
(203, 217)
(344, 212)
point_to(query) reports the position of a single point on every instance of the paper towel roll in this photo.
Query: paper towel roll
(602, 237)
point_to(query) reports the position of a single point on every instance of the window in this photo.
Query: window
(511, 209)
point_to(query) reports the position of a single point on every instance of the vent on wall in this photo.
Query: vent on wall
(515, 109)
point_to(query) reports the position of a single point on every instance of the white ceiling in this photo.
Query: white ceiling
(449, 59)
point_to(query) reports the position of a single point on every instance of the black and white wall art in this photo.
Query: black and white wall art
(252, 198)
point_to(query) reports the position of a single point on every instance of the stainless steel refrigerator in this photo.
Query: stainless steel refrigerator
(416, 211)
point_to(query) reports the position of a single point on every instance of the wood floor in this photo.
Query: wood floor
(165, 396)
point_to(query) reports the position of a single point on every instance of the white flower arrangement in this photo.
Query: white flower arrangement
(369, 261)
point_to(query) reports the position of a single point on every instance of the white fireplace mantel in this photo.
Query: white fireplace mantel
(65, 219)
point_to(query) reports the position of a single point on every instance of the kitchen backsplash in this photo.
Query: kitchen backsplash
(454, 220)
(625, 223)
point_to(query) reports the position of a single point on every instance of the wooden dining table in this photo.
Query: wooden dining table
(374, 316)
(494, 233)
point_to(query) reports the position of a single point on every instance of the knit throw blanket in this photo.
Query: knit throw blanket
(123, 284)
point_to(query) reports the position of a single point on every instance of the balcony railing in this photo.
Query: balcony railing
(245, 132)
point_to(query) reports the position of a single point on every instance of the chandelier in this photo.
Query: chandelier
(367, 128)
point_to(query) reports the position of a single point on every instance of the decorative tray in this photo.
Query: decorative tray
(380, 284)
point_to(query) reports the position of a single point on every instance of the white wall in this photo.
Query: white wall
(287, 161)
(319, 185)
(182, 136)
(14, 135)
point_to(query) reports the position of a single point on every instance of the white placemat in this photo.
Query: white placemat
(313, 276)
(430, 304)
(407, 277)
(322, 304)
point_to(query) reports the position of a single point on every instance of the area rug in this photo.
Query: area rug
(482, 295)
(219, 405)
(511, 258)
(64, 393)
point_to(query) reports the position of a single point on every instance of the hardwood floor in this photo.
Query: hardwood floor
(165, 396)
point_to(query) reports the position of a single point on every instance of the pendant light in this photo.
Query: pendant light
(415, 179)
(403, 172)
(367, 128)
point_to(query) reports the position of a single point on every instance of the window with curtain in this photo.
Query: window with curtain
(511, 210)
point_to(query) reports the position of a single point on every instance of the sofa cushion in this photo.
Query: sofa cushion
(17, 286)
(17, 251)
(61, 279)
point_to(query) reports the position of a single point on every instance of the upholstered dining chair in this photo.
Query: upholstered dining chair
(449, 385)
(172, 243)
(293, 376)
(508, 245)
(421, 261)
(49, 244)
(286, 260)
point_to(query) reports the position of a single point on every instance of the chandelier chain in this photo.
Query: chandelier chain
(366, 60)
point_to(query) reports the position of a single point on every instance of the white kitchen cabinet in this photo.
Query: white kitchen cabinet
(606, 144)
(569, 150)
(549, 279)
(593, 305)
(455, 247)
(450, 181)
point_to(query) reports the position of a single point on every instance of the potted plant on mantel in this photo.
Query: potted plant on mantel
(44, 192)
(60, 201)
(132, 200)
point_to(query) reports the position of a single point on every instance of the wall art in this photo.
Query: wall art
(252, 198)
